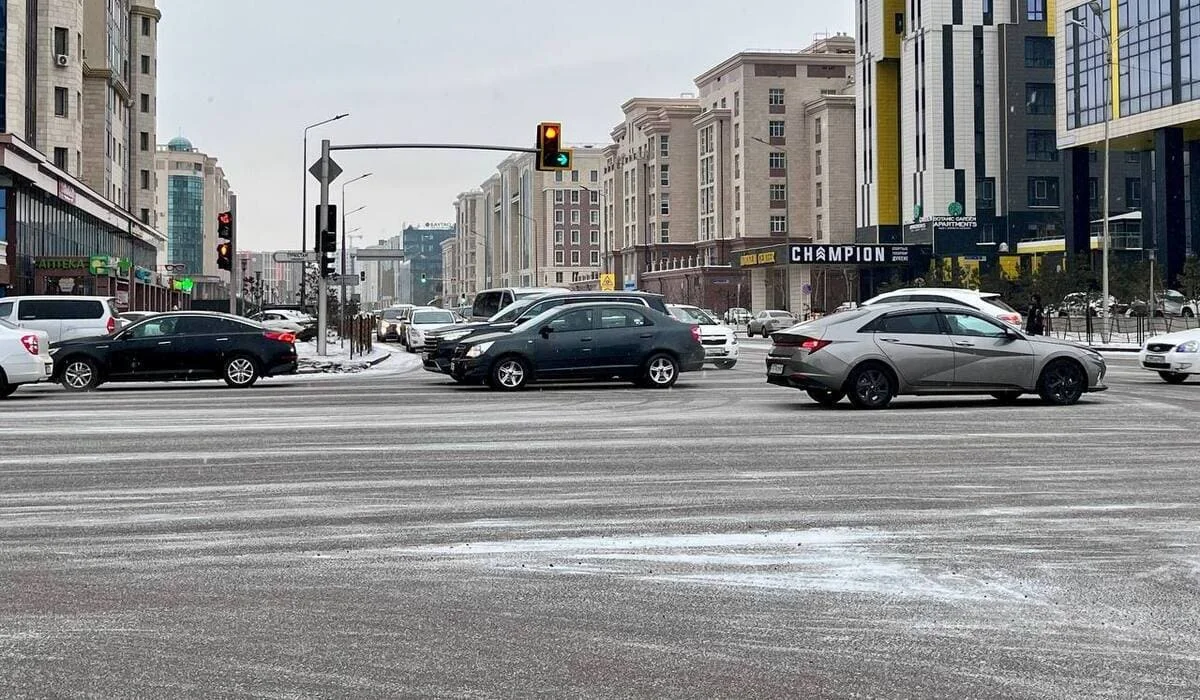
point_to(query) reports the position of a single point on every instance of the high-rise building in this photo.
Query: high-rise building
(472, 250)
(423, 255)
(192, 190)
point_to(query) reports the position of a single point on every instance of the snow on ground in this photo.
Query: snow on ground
(337, 359)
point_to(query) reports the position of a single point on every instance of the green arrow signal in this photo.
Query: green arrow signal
(562, 159)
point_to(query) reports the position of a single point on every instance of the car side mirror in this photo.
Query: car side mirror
(546, 331)
(1013, 335)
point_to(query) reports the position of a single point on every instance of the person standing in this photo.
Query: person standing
(1035, 320)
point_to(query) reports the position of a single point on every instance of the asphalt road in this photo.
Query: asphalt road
(395, 535)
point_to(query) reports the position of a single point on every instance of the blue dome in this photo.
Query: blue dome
(179, 144)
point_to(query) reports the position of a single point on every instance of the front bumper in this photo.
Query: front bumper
(433, 363)
(726, 351)
(469, 369)
(1170, 361)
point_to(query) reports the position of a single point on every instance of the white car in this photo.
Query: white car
(719, 341)
(426, 319)
(989, 303)
(63, 317)
(24, 357)
(1174, 356)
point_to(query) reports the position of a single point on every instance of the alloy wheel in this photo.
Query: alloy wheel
(1062, 383)
(873, 387)
(510, 374)
(661, 370)
(78, 375)
(240, 370)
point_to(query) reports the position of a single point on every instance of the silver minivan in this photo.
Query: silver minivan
(63, 317)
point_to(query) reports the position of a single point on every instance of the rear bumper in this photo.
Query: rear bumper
(281, 368)
(796, 375)
(28, 370)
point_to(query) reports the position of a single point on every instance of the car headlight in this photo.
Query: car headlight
(1190, 346)
(455, 335)
(477, 350)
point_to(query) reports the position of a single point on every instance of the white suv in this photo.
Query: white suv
(989, 303)
(63, 317)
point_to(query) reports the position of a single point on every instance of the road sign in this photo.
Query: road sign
(294, 256)
(807, 289)
(378, 254)
(334, 170)
(608, 282)
(347, 280)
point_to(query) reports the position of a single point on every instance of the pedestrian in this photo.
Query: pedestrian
(1035, 320)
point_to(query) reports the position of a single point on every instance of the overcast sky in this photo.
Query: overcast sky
(242, 79)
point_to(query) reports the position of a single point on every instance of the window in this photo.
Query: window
(558, 277)
(778, 193)
(558, 176)
(817, 130)
(737, 166)
(622, 318)
(575, 216)
(60, 101)
(1093, 190)
(62, 41)
(664, 175)
(144, 141)
(817, 163)
(1039, 52)
(820, 193)
(558, 236)
(921, 324)
(558, 257)
(145, 64)
(60, 158)
(775, 129)
(574, 196)
(974, 326)
(987, 192)
(145, 99)
(1133, 192)
(1039, 98)
(664, 146)
(777, 161)
(1041, 145)
(737, 225)
(145, 178)
(594, 176)
(1133, 157)
(664, 232)
(737, 198)
(775, 97)
(574, 236)
(594, 217)
(820, 230)
(574, 176)
(737, 103)
(594, 196)
(594, 257)
(145, 216)
(594, 236)
(559, 197)
(778, 224)
(1035, 10)
(574, 258)
(559, 216)
(145, 26)
(664, 205)
(1043, 192)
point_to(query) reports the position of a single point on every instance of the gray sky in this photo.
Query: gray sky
(242, 79)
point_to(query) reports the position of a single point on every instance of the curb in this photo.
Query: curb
(372, 363)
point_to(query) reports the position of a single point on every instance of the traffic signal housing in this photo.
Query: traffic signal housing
(326, 240)
(225, 225)
(550, 153)
(225, 255)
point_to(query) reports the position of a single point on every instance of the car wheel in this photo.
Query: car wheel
(725, 364)
(870, 386)
(1062, 383)
(509, 374)
(659, 372)
(6, 389)
(1007, 397)
(826, 398)
(1173, 377)
(749, 332)
(1187, 313)
(240, 372)
(80, 374)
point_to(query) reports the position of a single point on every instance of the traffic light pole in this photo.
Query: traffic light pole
(322, 283)
(233, 256)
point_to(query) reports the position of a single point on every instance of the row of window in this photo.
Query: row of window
(560, 218)
(575, 258)
(593, 176)
(560, 196)
(576, 236)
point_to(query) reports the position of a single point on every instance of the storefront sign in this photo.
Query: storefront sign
(142, 274)
(60, 263)
(947, 223)
(66, 192)
(751, 258)
(105, 265)
(807, 254)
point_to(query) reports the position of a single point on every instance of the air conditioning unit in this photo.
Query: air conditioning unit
(61, 60)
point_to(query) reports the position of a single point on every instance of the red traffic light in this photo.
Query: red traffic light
(225, 218)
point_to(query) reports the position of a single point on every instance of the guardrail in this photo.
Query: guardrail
(1121, 329)
(359, 333)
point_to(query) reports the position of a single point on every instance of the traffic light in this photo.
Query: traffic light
(424, 278)
(327, 252)
(362, 275)
(225, 225)
(550, 153)
(225, 255)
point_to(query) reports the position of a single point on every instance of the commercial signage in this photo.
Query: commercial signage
(816, 254)
(142, 274)
(945, 223)
(761, 257)
(105, 264)
(60, 263)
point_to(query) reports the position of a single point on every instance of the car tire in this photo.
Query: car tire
(1006, 397)
(826, 398)
(240, 372)
(871, 386)
(725, 364)
(6, 389)
(509, 373)
(1187, 313)
(659, 372)
(80, 374)
(1062, 383)
(1173, 377)
(749, 332)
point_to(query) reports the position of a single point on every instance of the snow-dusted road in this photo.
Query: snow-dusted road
(390, 535)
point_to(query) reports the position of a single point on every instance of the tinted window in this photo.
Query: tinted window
(6, 309)
(35, 309)
(487, 304)
(622, 318)
(154, 328)
(511, 312)
(390, 314)
(926, 323)
(204, 325)
(963, 324)
(936, 299)
(538, 307)
(580, 320)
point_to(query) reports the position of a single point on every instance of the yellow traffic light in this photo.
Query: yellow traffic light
(550, 153)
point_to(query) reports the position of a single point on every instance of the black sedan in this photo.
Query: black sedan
(181, 345)
(597, 341)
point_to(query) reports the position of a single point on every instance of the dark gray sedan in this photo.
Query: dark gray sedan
(875, 353)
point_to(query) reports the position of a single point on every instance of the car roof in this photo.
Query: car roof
(59, 297)
(946, 291)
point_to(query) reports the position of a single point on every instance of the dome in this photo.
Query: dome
(179, 144)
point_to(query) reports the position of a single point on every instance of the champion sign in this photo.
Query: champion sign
(855, 254)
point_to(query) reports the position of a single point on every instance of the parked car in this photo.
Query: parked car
(877, 352)
(1082, 303)
(389, 323)
(178, 345)
(1174, 356)
(424, 320)
(719, 341)
(291, 323)
(989, 303)
(738, 315)
(440, 346)
(489, 302)
(62, 317)
(1168, 303)
(767, 322)
(24, 357)
(596, 341)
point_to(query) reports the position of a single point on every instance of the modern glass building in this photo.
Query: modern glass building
(423, 250)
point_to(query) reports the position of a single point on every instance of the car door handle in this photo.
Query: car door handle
(164, 342)
(965, 343)
(890, 340)
(646, 335)
(585, 340)
(222, 340)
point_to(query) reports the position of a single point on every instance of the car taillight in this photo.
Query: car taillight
(111, 325)
(812, 344)
(31, 344)
(1014, 319)
(281, 336)
(695, 333)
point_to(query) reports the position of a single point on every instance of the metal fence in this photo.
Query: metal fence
(359, 333)
(1121, 329)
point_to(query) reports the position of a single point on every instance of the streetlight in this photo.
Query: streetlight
(304, 197)
(787, 223)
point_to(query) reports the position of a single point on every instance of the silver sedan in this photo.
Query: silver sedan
(875, 353)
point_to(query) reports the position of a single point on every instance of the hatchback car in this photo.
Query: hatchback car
(989, 303)
(63, 317)
(875, 353)
(24, 357)
(182, 345)
(1174, 356)
(597, 341)
(767, 322)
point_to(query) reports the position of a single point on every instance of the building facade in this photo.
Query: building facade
(423, 258)
(191, 191)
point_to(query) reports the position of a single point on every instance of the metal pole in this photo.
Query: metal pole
(342, 280)
(1104, 311)
(304, 221)
(787, 227)
(323, 219)
(234, 268)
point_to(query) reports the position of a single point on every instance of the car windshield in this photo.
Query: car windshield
(390, 314)
(536, 321)
(430, 317)
(780, 314)
(690, 314)
(513, 311)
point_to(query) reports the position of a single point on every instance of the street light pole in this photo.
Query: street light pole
(304, 199)
(787, 224)
(342, 267)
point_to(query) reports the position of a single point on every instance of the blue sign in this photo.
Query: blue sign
(630, 286)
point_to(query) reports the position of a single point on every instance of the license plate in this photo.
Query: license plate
(49, 370)
(775, 369)
(1157, 359)
(714, 352)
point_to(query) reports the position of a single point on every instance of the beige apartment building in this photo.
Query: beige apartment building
(191, 191)
(466, 272)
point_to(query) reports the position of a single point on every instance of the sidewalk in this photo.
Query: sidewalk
(337, 359)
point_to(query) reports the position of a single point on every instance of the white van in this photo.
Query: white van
(489, 302)
(62, 317)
